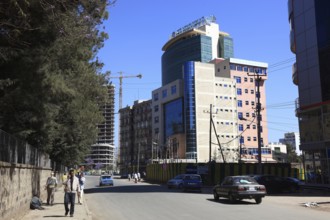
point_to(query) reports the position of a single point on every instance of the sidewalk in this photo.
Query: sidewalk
(81, 212)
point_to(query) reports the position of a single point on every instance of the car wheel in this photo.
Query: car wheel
(231, 198)
(215, 195)
(258, 200)
(169, 187)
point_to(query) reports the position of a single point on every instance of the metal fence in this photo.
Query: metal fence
(15, 151)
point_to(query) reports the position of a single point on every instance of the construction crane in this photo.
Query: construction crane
(120, 77)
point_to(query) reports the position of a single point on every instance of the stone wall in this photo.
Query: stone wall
(18, 184)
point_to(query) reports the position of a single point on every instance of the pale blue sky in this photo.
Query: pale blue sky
(260, 29)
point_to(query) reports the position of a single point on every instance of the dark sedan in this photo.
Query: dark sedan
(239, 187)
(277, 184)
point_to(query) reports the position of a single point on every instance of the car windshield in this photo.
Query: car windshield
(244, 180)
(106, 177)
(178, 177)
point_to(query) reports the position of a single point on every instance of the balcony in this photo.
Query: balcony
(292, 42)
(295, 74)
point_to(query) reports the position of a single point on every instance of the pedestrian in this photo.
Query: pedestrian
(51, 185)
(135, 177)
(82, 180)
(71, 188)
(139, 176)
(64, 177)
(129, 177)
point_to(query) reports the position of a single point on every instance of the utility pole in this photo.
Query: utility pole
(210, 137)
(258, 80)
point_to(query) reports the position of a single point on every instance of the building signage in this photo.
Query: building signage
(195, 24)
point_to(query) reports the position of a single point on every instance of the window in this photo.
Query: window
(247, 114)
(232, 67)
(252, 103)
(247, 126)
(173, 89)
(246, 91)
(240, 127)
(238, 79)
(239, 68)
(240, 115)
(164, 93)
(254, 139)
(251, 70)
(254, 126)
(251, 80)
(156, 130)
(156, 97)
(156, 120)
(245, 79)
(245, 69)
(239, 103)
(246, 102)
(156, 108)
(249, 138)
(252, 91)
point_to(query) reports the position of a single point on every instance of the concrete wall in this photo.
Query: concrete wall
(18, 184)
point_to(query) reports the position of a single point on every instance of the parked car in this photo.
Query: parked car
(239, 187)
(192, 182)
(106, 180)
(277, 184)
(176, 182)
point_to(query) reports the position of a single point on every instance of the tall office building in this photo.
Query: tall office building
(200, 40)
(310, 41)
(102, 152)
(200, 78)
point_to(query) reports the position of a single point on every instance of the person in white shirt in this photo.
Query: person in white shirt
(72, 187)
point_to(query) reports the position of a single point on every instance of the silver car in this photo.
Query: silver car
(239, 187)
(176, 182)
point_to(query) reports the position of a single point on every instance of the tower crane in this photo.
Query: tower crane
(120, 77)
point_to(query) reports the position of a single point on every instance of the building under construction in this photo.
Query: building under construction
(103, 151)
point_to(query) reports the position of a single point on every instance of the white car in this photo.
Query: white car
(106, 180)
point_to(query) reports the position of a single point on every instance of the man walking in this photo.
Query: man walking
(72, 187)
(51, 185)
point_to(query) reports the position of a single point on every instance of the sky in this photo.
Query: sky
(260, 29)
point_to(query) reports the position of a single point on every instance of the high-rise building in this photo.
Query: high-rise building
(200, 40)
(246, 74)
(201, 81)
(103, 151)
(135, 137)
(310, 41)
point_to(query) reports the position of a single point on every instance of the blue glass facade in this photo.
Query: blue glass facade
(196, 48)
(173, 118)
(226, 47)
(189, 109)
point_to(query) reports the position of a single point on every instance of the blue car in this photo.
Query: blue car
(106, 180)
(192, 182)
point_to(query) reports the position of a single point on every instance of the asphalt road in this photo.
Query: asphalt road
(127, 200)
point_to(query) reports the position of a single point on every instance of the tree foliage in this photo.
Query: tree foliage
(50, 77)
